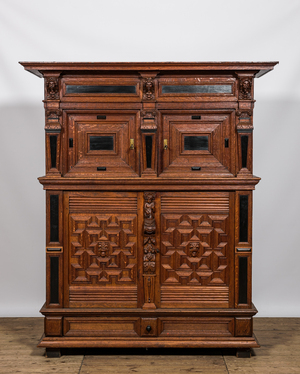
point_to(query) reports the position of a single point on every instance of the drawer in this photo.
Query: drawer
(197, 88)
(101, 89)
(101, 326)
(196, 327)
(149, 327)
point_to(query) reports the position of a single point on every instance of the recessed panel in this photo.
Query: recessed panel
(243, 218)
(195, 143)
(194, 89)
(53, 149)
(148, 140)
(243, 279)
(107, 89)
(54, 218)
(101, 143)
(244, 143)
(54, 279)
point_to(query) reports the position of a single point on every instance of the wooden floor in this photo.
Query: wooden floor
(279, 353)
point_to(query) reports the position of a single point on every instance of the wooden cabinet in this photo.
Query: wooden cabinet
(149, 204)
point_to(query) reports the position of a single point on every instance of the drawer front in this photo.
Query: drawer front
(102, 327)
(197, 88)
(196, 327)
(149, 327)
(101, 89)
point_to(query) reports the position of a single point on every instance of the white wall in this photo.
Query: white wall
(156, 30)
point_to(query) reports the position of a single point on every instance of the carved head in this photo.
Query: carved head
(103, 248)
(194, 248)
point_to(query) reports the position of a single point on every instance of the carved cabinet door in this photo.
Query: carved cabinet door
(102, 256)
(196, 250)
(101, 145)
(200, 145)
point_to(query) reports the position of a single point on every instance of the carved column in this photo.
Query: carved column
(53, 124)
(149, 255)
(244, 125)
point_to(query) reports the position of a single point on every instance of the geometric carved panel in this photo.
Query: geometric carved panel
(193, 249)
(103, 249)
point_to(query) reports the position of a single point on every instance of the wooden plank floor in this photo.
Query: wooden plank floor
(279, 354)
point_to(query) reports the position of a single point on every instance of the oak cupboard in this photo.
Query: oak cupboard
(149, 186)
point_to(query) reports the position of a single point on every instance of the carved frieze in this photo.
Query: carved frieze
(52, 88)
(148, 89)
(245, 89)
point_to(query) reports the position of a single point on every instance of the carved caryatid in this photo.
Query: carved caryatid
(52, 88)
(149, 257)
(245, 89)
(149, 209)
(148, 89)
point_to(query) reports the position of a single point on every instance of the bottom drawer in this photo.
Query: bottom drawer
(109, 327)
(173, 326)
(151, 327)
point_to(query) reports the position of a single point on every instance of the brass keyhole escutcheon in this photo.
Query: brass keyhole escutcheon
(165, 144)
(131, 144)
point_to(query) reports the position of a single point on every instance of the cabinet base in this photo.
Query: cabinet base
(55, 343)
(160, 328)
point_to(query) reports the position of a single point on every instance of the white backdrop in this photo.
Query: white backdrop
(153, 30)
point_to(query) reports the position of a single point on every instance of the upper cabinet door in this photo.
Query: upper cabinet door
(197, 145)
(102, 145)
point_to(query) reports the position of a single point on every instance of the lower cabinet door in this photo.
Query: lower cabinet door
(149, 250)
(102, 249)
(196, 250)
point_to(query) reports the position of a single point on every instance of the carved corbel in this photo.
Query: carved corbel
(148, 121)
(148, 89)
(244, 121)
(53, 120)
(51, 88)
(148, 85)
(245, 88)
